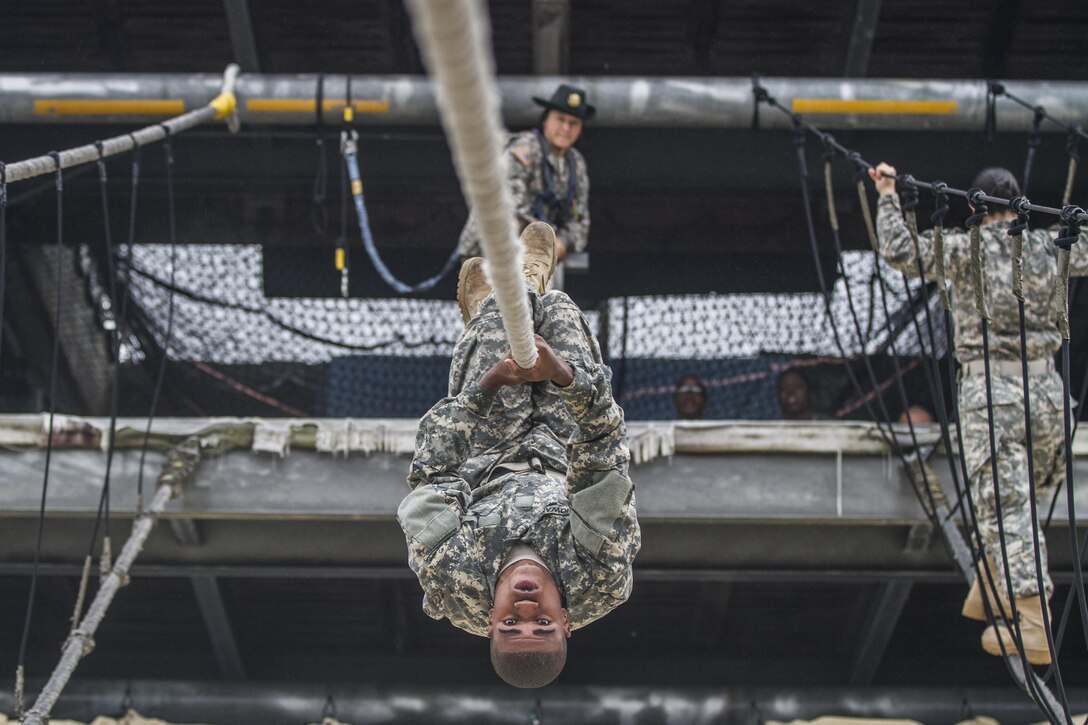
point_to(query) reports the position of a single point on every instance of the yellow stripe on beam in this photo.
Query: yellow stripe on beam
(306, 105)
(103, 107)
(871, 105)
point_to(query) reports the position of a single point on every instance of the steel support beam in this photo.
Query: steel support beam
(888, 602)
(656, 102)
(242, 39)
(220, 632)
(859, 47)
(551, 37)
(289, 704)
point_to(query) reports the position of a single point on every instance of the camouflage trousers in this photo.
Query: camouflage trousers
(533, 417)
(1010, 447)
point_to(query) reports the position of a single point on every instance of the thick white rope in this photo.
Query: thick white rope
(455, 39)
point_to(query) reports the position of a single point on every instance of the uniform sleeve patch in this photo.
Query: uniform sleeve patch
(521, 153)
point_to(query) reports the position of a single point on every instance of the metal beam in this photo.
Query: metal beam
(291, 703)
(551, 37)
(652, 102)
(859, 47)
(242, 39)
(889, 600)
(220, 632)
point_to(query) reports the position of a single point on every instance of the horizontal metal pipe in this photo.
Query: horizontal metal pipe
(943, 105)
(290, 704)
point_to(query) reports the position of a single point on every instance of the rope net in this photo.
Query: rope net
(233, 350)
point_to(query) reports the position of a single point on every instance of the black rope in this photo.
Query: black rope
(319, 215)
(978, 199)
(102, 517)
(860, 162)
(802, 164)
(1019, 205)
(168, 153)
(993, 90)
(59, 269)
(3, 249)
(926, 494)
(1034, 140)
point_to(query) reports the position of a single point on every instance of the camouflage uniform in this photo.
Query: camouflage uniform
(525, 172)
(1041, 306)
(465, 512)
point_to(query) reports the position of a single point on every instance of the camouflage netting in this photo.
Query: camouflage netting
(232, 347)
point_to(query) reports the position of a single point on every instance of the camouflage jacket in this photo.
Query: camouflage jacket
(1041, 294)
(463, 514)
(525, 174)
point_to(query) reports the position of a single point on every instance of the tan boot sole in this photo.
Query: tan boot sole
(467, 269)
(538, 239)
(1035, 655)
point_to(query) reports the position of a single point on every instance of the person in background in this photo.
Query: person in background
(547, 175)
(794, 396)
(689, 398)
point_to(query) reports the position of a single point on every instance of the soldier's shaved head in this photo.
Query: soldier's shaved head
(535, 668)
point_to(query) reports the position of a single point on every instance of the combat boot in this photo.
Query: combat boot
(539, 241)
(472, 287)
(973, 606)
(1032, 632)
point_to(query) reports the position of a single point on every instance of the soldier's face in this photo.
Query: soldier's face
(562, 129)
(528, 612)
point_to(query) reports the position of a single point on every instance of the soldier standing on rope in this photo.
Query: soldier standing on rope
(1041, 298)
(521, 523)
(547, 175)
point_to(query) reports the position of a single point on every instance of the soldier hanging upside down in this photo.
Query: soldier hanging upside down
(1041, 298)
(521, 523)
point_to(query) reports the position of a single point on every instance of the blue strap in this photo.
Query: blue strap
(350, 159)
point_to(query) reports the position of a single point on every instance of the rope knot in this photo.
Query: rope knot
(1019, 205)
(975, 199)
(59, 175)
(940, 195)
(1070, 217)
(908, 192)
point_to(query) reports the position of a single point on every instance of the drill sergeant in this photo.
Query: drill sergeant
(521, 523)
(547, 175)
(1041, 299)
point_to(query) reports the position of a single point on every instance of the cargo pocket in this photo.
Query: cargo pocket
(426, 517)
(596, 509)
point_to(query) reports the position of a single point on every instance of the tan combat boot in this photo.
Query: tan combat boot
(539, 241)
(472, 287)
(973, 606)
(1031, 630)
